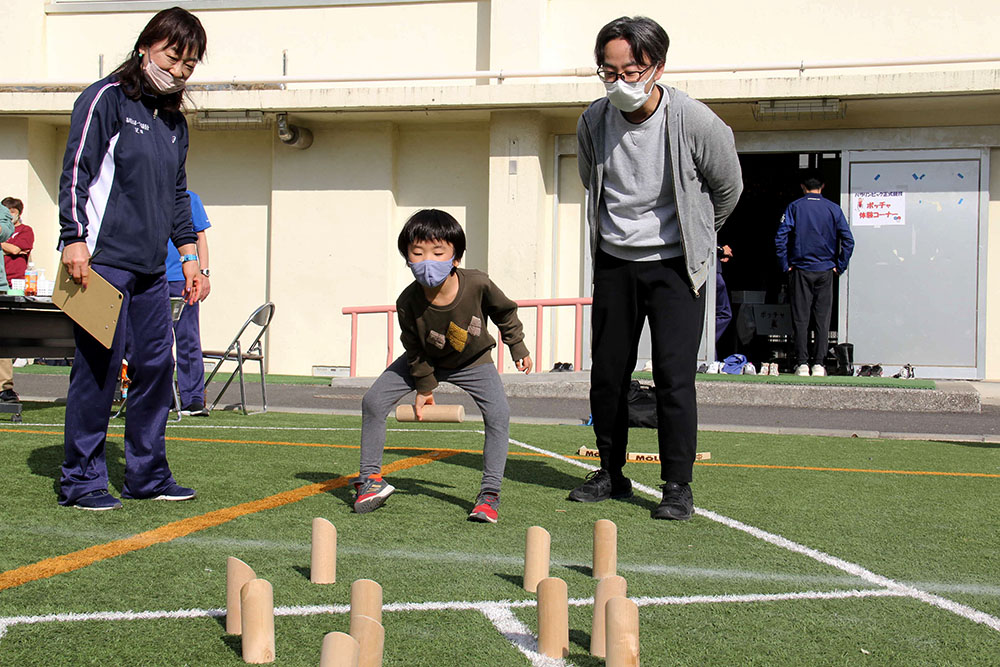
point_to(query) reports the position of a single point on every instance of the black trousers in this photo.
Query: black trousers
(625, 294)
(812, 302)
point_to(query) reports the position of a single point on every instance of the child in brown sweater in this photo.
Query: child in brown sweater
(442, 321)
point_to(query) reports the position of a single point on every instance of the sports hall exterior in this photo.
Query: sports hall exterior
(471, 106)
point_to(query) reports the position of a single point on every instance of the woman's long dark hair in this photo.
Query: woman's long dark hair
(182, 30)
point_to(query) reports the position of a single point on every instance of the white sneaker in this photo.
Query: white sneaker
(750, 369)
(802, 370)
(20, 363)
(818, 371)
(715, 368)
(772, 369)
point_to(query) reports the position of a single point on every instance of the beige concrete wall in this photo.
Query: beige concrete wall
(41, 194)
(24, 40)
(231, 172)
(351, 39)
(725, 32)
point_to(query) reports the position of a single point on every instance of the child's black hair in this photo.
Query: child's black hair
(431, 224)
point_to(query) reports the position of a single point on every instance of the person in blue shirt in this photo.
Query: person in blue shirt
(187, 331)
(814, 244)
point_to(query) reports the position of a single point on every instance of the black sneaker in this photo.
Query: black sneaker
(677, 503)
(97, 501)
(196, 409)
(599, 486)
(9, 396)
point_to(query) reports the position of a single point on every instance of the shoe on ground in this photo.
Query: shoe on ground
(818, 371)
(677, 503)
(97, 501)
(802, 370)
(714, 368)
(599, 486)
(370, 493)
(648, 367)
(20, 363)
(175, 492)
(195, 409)
(485, 510)
(9, 396)
(772, 369)
(749, 369)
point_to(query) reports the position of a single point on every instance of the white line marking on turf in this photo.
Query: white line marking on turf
(452, 556)
(484, 607)
(518, 634)
(965, 611)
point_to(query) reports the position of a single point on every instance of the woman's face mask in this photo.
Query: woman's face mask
(431, 272)
(162, 81)
(629, 96)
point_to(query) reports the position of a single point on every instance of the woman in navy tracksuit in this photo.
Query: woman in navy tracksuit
(122, 195)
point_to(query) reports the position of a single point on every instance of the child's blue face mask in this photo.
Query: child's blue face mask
(431, 272)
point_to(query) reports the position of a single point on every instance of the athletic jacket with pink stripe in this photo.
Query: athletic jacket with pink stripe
(123, 188)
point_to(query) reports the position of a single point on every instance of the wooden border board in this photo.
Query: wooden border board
(639, 457)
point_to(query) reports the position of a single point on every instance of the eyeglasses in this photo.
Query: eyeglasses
(608, 76)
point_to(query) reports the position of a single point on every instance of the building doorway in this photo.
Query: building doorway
(758, 290)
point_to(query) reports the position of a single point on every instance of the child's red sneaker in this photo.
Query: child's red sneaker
(485, 510)
(370, 493)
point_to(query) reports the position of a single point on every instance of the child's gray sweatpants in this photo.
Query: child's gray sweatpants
(481, 382)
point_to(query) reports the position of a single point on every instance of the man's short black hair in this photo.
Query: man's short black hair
(432, 224)
(648, 40)
(811, 179)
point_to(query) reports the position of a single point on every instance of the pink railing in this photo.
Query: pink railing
(538, 304)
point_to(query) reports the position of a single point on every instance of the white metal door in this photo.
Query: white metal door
(915, 288)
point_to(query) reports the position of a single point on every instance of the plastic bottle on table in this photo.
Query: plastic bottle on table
(31, 280)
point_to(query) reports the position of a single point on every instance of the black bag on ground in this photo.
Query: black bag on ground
(641, 405)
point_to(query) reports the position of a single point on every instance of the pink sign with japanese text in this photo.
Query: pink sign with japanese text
(875, 209)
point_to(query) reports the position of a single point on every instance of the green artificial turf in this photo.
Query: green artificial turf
(829, 380)
(936, 532)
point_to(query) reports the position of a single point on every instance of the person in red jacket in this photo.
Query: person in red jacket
(17, 249)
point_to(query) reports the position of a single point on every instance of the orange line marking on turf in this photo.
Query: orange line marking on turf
(578, 458)
(883, 472)
(171, 531)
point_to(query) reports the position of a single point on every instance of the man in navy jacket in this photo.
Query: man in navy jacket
(814, 242)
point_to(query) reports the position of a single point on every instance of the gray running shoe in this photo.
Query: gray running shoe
(370, 493)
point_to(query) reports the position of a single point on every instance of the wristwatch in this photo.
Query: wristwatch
(206, 272)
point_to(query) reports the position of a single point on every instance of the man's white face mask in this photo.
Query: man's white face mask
(629, 96)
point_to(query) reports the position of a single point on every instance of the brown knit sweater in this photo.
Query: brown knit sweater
(454, 336)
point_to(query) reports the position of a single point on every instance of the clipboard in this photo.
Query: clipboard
(95, 309)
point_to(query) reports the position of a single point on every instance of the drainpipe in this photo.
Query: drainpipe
(293, 135)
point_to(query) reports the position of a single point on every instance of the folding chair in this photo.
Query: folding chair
(239, 352)
(121, 389)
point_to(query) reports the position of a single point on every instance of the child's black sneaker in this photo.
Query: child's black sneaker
(370, 493)
(485, 510)
(677, 503)
(599, 486)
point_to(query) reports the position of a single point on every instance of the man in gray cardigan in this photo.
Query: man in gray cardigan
(662, 174)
